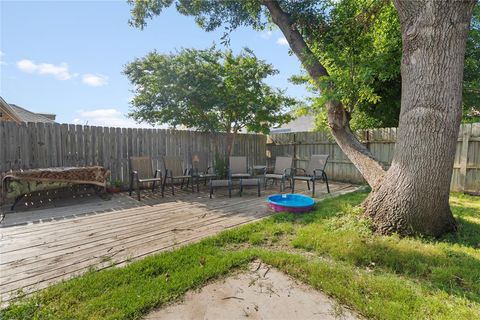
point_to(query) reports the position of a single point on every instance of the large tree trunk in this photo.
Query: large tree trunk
(338, 118)
(413, 196)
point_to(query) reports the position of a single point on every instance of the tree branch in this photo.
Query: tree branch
(338, 118)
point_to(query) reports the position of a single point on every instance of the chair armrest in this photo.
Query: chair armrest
(296, 169)
(288, 171)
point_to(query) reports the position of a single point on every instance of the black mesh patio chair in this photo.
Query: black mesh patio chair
(173, 171)
(238, 168)
(200, 168)
(314, 171)
(282, 171)
(142, 172)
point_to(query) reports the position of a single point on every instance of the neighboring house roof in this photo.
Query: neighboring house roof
(20, 114)
(300, 124)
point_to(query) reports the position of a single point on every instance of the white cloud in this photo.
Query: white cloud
(266, 34)
(94, 80)
(108, 117)
(60, 72)
(100, 113)
(282, 41)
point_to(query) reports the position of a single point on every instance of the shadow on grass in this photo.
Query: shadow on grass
(324, 209)
(451, 265)
(468, 234)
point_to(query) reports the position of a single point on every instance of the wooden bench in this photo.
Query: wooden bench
(17, 184)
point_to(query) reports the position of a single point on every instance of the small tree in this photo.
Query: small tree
(208, 90)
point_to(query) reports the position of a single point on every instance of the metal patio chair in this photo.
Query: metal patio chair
(142, 172)
(238, 168)
(281, 171)
(200, 168)
(174, 170)
(315, 171)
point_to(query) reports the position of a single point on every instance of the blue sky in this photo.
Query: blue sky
(66, 57)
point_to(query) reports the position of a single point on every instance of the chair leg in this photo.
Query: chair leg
(153, 186)
(131, 186)
(258, 188)
(183, 180)
(171, 184)
(17, 200)
(211, 190)
(326, 181)
(293, 185)
(308, 185)
(230, 189)
(313, 187)
(138, 191)
(282, 185)
(164, 184)
(265, 183)
(241, 187)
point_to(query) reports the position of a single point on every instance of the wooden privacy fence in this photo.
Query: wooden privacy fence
(381, 142)
(41, 145)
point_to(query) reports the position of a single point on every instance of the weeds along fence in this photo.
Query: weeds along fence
(42, 145)
(381, 142)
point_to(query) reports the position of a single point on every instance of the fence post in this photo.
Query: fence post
(295, 150)
(466, 132)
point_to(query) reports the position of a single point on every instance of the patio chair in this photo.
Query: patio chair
(142, 172)
(174, 170)
(281, 171)
(200, 168)
(238, 168)
(315, 171)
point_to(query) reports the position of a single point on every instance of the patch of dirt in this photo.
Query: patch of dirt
(261, 293)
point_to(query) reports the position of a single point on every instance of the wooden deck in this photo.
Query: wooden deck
(67, 240)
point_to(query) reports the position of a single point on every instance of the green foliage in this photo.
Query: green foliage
(116, 183)
(358, 41)
(331, 248)
(360, 46)
(209, 90)
(220, 166)
(471, 77)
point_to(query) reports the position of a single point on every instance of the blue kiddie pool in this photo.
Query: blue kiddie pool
(290, 202)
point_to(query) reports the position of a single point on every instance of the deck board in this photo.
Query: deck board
(66, 241)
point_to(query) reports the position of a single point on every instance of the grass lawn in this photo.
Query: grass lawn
(332, 249)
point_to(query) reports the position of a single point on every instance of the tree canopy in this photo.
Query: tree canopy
(209, 90)
(360, 46)
(357, 41)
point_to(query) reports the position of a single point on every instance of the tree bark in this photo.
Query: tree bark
(413, 197)
(338, 118)
(230, 140)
